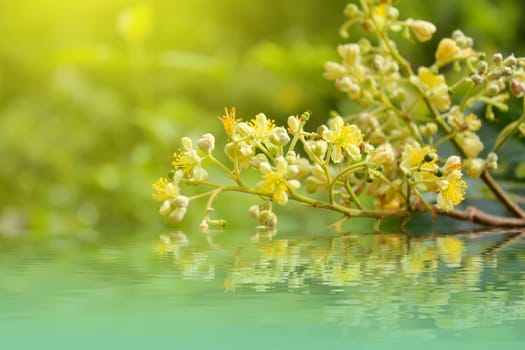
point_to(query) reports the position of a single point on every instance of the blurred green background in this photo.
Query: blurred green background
(95, 95)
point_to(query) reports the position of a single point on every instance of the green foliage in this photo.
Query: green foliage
(95, 95)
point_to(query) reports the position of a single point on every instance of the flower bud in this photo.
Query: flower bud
(333, 70)
(492, 161)
(510, 61)
(517, 87)
(351, 10)
(178, 214)
(351, 54)
(253, 211)
(165, 207)
(482, 67)
(497, 58)
(207, 143)
(279, 137)
(423, 30)
(492, 89)
(268, 219)
(181, 201)
(446, 50)
(293, 124)
(474, 167)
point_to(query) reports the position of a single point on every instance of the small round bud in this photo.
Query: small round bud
(333, 70)
(321, 130)
(254, 211)
(439, 172)
(457, 34)
(423, 30)
(293, 124)
(482, 67)
(517, 87)
(497, 58)
(367, 25)
(351, 10)
(278, 136)
(510, 61)
(506, 71)
(268, 219)
(474, 167)
(493, 89)
(429, 157)
(207, 143)
(392, 13)
(181, 201)
(178, 214)
(476, 79)
(165, 207)
(492, 161)
(378, 62)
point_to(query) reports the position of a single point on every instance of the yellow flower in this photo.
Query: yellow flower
(463, 123)
(413, 158)
(452, 164)
(262, 126)
(189, 162)
(452, 192)
(346, 139)
(276, 182)
(475, 166)
(164, 189)
(229, 121)
(446, 50)
(470, 143)
(435, 88)
(380, 12)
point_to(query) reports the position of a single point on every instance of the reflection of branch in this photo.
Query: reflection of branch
(503, 243)
(478, 216)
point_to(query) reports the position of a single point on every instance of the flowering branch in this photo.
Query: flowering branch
(386, 152)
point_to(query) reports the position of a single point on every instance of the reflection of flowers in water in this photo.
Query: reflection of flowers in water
(377, 280)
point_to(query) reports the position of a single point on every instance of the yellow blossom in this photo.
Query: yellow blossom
(470, 143)
(164, 190)
(346, 139)
(452, 164)
(452, 192)
(435, 87)
(474, 166)
(189, 162)
(229, 121)
(262, 126)
(413, 158)
(446, 50)
(380, 13)
(276, 182)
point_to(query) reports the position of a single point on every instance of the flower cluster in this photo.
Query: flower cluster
(388, 151)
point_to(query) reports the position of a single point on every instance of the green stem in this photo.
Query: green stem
(511, 132)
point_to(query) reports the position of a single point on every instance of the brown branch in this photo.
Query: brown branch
(474, 215)
(502, 195)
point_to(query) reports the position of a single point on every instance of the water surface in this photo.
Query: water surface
(233, 290)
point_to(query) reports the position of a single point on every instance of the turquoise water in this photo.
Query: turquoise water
(236, 290)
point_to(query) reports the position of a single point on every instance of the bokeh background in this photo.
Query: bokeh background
(95, 95)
